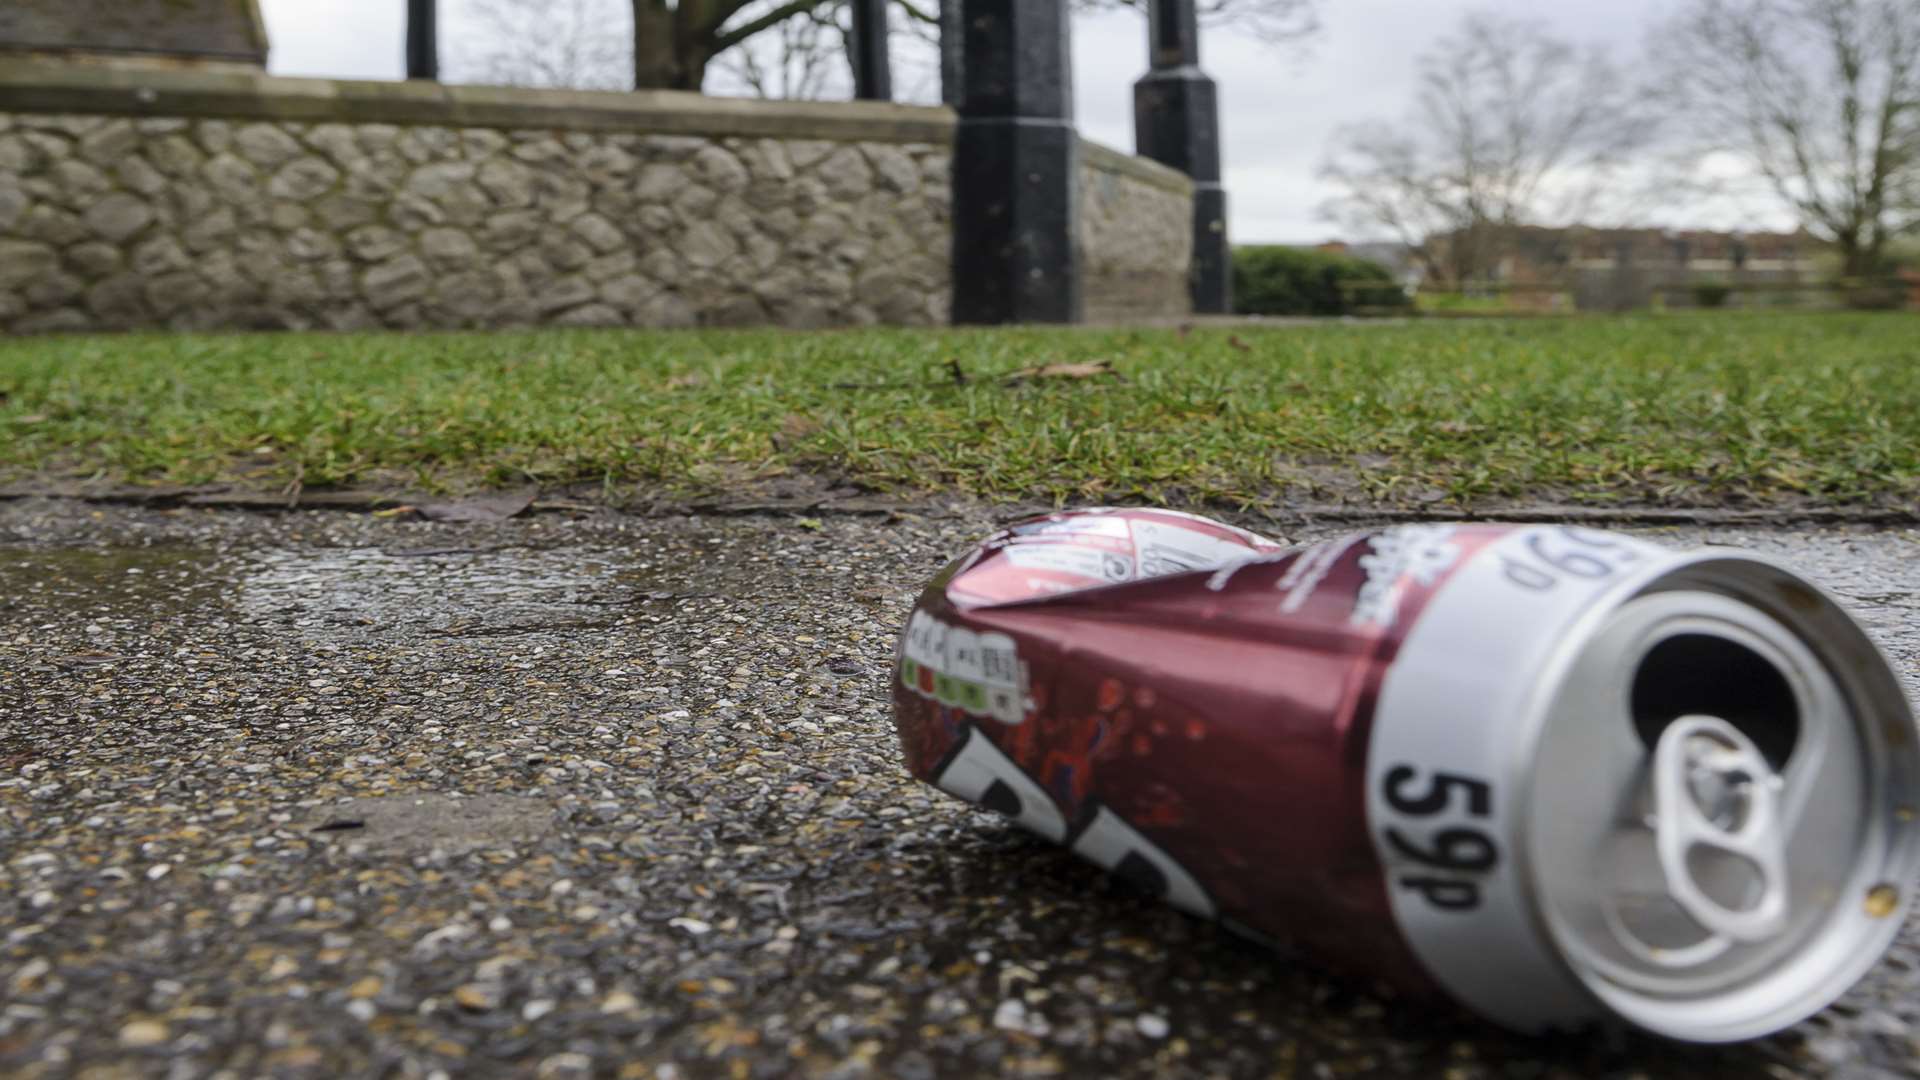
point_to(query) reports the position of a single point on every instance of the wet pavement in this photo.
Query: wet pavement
(320, 794)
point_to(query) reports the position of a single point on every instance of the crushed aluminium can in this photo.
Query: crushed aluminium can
(1556, 774)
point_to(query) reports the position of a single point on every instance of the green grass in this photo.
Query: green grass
(1445, 303)
(1682, 408)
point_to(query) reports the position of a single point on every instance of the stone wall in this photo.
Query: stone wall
(197, 200)
(1136, 237)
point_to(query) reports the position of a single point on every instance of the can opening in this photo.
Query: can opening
(1703, 674)
(1714, 790)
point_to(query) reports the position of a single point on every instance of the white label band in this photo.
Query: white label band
(1447, 764)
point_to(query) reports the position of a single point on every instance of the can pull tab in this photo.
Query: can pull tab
(1716, 806)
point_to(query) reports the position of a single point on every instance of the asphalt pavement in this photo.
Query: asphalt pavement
(330, 794)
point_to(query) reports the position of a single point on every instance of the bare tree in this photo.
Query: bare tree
(1511, 127)
(675, 40)
(1819, 103)
(575, 44)
(774, 48)
(771, 48)
(676, 43)
(809, 56)
(798, 59)
(1269, 20)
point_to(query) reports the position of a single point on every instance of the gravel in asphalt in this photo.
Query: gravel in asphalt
(320, 795)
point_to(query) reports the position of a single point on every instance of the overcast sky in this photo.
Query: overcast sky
(1279, 105)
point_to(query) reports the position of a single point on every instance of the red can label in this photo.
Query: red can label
(1190, 706)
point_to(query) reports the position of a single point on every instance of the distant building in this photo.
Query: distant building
(1627, 268)
(1623, 269)
(203, 34)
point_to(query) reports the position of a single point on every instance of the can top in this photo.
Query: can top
(1720, 821)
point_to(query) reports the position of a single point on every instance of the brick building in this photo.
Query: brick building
(1624, 269)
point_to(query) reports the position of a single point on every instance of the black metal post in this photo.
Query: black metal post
(423, 40)
(872, 70)
(1176, 121)
(1016, 162)
(952, 35)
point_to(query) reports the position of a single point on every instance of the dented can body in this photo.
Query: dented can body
(1557, 774)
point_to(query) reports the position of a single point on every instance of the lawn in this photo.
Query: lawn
(1747, 409)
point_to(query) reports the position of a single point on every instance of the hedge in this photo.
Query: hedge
(1274, 280)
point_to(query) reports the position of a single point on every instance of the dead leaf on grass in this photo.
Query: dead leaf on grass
(1093, 369)
(793, 428)
(686, 380)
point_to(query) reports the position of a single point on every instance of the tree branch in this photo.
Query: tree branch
(729, 38)
(917, 13)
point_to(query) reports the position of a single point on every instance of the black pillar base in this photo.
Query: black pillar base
(1212, 271)
(1175, 122)
(872, 69)
(423, 40)
(1015, 236)
(952, 50)
(1016, 180)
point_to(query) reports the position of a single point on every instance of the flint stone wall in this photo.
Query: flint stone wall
(196, 200)
(1136, 237)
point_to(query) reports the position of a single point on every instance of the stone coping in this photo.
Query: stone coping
(1146, 170)
(52, 87)
(33, 86)
(220, 30)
